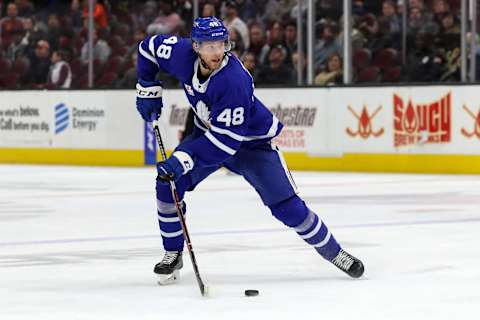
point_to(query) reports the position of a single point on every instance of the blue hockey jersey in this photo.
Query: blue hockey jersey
(228, 116)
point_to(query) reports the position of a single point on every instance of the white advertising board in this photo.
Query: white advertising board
(70, 119)
(318, 121)
(409, 120)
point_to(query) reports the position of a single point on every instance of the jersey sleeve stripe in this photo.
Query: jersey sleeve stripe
(229, 133)
(271, 132)
(146, 55)
(151, 45)
(219, 144)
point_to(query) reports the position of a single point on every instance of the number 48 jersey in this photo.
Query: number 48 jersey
(228, 116)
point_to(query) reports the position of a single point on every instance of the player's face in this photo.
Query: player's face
(212, 53)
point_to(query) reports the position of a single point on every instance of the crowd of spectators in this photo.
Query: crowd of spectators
(43, 44)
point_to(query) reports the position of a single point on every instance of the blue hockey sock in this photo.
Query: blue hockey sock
(294, 213)
(315, 232)
(170, 227)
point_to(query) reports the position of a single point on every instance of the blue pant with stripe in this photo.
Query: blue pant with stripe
(265, 170)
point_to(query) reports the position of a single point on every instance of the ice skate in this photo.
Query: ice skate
(348, 264)
(168, 270)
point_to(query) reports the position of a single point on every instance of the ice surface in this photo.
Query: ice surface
(81, 243)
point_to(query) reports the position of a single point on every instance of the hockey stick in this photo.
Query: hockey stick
(178, 205)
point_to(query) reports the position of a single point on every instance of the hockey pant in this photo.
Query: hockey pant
(265, 170)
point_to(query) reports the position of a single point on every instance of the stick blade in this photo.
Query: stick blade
(204, 290)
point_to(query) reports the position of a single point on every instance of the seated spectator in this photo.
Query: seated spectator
(208, 10)
(238, 47)
(419, 21)
(99, 14)
(233, 21)
(101, 50)
(168, 22)
(258, 44)
(25, 8)
(440, 8)
(424, 64)
(450, 24)
(10, 24)
(31, 34)
(417, 4)
(370, 28)
(250, 63)
(16, 48)
(247, 10)
(330, 9)
(129, 79)
(291, 38)
(450, 42)
(327, 45)
(76, 15)
(60, 75)
(358, 8)
(333, 74)
(299, 61)
(276, 72)
(54, 30)
(39, 65)
(389, 17)
(277, 10)
(276, 34)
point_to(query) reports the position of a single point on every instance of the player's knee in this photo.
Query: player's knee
(165, 194)
(291, 212)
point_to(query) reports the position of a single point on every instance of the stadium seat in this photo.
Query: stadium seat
(369, 75)
(122, 51)
(82, 81)
(113, 64)
(385, 58)
(107, 80)
(115, 42)
(9, 81)
(361, 58)
(77, 66)
(21, 66)
(5, 65)
(98, 67)
(392, 74)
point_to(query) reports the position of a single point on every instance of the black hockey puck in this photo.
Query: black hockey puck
(251, 293)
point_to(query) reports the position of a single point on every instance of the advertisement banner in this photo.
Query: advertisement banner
(319, 122)
(70, 119)
(422, 120)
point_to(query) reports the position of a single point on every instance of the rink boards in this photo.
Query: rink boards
(384, 129)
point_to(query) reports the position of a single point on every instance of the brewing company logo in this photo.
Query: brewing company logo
(422, 123)
(365, 128)
(62, 117)
(476, 127)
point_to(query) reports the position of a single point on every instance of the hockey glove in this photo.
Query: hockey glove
(149, 99)
(174, 167)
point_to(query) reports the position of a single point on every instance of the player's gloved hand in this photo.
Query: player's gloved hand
(149, 99)
(174, 167)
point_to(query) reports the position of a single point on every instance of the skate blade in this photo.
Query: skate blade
(166, 279)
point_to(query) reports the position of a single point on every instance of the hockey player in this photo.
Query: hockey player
(232, 129)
